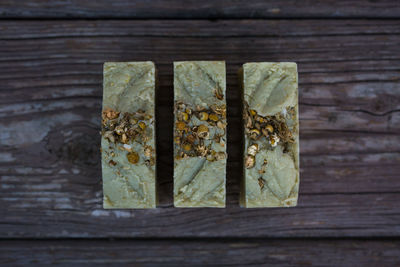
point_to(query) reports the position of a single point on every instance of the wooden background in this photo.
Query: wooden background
(51, 55)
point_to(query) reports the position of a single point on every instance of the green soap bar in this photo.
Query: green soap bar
(199, 134)
(271, 135)
(128, 135)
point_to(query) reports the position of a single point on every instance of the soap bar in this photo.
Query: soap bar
(199, 134)
(271, 135)
(128, 135)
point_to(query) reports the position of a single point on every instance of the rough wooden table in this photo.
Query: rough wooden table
(51, 55)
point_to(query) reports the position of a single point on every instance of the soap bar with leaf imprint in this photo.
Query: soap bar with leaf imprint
(128, 135)
(199, 134)
(271, 135)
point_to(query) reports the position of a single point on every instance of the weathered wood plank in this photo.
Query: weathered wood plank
(194, 9)
(45, 211)
(11, 29)
(201, 252)
(50, 99)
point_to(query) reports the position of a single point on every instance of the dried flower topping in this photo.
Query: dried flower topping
(269, 128)
(203, 116)
(274, 140)
(218, 93)
(202, 131)
(213, 117)
(185, 116)
(132, 157)
(261, 183)
(221, 125)
(252, 150)
(263, 167)
(254, 134)
(142, 125)
(148, 151)
(187, 147)
(192, 139)
(124, 128)
(273, 128)
(110, 114)
(250, 161)
(180, 126)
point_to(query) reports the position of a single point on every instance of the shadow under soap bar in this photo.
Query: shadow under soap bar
(199, 134)
(128, 135)
(271, 135)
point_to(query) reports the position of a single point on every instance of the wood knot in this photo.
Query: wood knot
(78, 144)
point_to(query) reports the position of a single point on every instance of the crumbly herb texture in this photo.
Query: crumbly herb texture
(197, 128)
(125, 128)
(271, 130)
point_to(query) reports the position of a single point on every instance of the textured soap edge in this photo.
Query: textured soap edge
(188, 204)
(242, 200)
(155, 202)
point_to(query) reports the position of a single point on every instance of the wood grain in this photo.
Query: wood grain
(50, 100)
(11, 29)
(201, 252)
(205, 9)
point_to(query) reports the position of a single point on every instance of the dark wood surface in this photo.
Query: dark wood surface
(51, 56)
(201, 252)
(206, 9)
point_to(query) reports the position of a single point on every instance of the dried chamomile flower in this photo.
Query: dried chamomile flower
(221, 125)
(112, 163)
(254, 134)
(132, 157)
(274, 140)
(180, 125)
(252, 150)
(202, 131)
(148, 150)
(203, 116)
(110, 114)
(213, 117)
(269, 128)
(249, 161)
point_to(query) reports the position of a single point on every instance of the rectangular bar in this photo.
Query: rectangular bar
(128, 135)
(271, 138)
(199, 134)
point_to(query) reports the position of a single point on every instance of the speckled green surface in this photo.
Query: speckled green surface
(129, 87)
(271, 89)
(197, 181)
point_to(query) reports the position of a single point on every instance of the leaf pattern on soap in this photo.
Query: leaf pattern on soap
(191, 181)
(126, 100)
(182, 85)
(270, 90)
(280, 175)
(214, 84)
(191, 81)
(125, 79)
(186, 175)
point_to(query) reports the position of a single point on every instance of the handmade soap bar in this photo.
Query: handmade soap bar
(271, 141)
(199, 134)
(128, 135)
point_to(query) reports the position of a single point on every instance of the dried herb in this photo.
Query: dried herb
(126, 128)
(273, 128)
(261, 183)
(193, 139)
(218, 93)
(133, 157)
